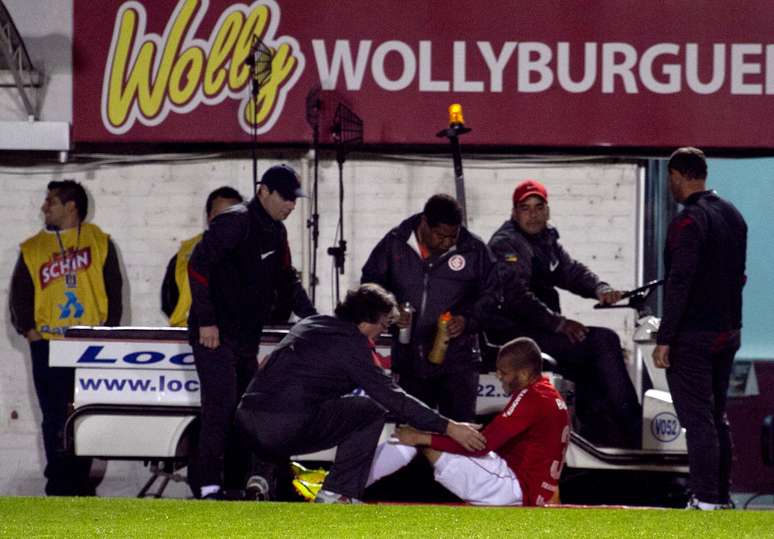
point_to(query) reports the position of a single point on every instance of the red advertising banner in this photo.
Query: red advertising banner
(615, 73)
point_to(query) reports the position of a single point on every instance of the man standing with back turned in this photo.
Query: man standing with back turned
(704, 261)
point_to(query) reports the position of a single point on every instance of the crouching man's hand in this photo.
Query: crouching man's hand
(467, 435)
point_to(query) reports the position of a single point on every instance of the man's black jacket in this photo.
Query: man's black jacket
(704, 257)
(463, 280)
(280, 311)
(531, 267)
(323, 358)
(235, 272)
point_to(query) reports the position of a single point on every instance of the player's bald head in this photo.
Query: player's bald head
(521, 353)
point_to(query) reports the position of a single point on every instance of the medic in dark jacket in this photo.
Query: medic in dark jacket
(301, 400)
(323, 358)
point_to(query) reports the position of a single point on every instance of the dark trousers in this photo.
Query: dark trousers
(453, 395)
(698, 377)
(606, 401)
(66, 474)
(223, 376)
(351, 424)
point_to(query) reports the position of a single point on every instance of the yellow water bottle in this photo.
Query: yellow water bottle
(441, 343)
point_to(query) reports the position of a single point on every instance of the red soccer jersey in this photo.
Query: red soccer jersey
(531, 435)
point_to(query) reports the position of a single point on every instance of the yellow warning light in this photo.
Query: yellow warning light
(455, 115)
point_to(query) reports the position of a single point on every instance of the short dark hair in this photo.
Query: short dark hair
(367, 303)
(522, 353)
(222, 192)
(690, 162)
(442, 209)
(71, 191)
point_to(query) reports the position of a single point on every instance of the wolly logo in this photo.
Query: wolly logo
(59, 266)
(147, 76)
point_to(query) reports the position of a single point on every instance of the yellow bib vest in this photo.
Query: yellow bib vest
(179, 317)
(68, 278)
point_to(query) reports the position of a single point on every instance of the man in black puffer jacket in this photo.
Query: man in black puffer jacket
(532, 264)
(301, 400)
(436, 265)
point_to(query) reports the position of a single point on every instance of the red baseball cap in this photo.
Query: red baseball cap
(528, 188)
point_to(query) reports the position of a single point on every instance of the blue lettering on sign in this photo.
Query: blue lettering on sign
(90, 356)
(143, 357)
(665, 427)
(186, 358)
(489, 390)
(135, 358)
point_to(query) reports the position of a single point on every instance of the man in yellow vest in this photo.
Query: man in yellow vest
(67, 274)
(175, 290)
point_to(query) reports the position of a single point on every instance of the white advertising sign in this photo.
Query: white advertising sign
(109, 354)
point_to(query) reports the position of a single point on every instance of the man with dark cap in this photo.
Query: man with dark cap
(704, 259)
(532, 264)
(235, 272)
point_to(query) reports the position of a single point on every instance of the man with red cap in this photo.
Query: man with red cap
(532, 264)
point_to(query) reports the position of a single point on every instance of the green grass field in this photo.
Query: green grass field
(122, 517)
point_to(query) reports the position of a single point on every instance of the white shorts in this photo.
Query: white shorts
(483, 480)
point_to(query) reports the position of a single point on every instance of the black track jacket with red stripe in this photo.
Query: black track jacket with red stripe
(236, 271)
(704, 258)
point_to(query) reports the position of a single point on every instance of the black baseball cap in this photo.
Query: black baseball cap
(283, 179)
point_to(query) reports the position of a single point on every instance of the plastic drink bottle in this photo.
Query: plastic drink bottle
(441, 343)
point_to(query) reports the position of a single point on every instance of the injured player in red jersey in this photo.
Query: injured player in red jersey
(525, 443)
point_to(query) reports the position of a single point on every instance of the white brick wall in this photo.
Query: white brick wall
(149, 208)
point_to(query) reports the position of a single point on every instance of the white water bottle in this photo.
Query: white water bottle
(404, 335)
